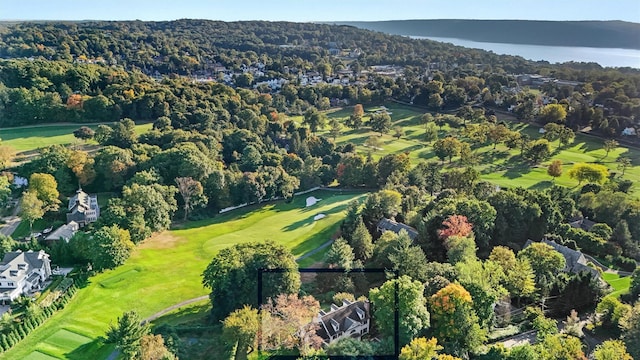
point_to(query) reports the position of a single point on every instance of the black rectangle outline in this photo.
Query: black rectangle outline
(396, 337)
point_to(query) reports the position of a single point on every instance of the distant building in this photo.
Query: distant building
(23, 272)
(351, 319)
(584, 224)
(83, 208)
(390, 225)
(576, 262)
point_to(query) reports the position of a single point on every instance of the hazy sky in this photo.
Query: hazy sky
(319, 10)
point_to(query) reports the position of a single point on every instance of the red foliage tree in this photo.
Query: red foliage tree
(455, 225)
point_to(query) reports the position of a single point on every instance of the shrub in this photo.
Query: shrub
(625, 263)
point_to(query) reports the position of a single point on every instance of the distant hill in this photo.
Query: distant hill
(605, 34)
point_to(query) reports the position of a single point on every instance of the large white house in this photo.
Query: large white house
(351, 319)
(22, 272)
(83, 208)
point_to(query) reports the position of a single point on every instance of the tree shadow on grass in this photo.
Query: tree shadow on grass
(97, 347)
(542, 185)
(588, 146)
(515, 172)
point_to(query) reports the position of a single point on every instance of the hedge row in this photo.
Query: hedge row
(19, 330)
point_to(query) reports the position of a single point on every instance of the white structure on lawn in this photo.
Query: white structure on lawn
(64, 232)
(22, 272)
(352, 319)
(83, 208)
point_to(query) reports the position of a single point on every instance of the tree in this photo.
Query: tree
(623, 164)
(241, 329)
(361, 242)
(340, 254)
(560, 346)
(555, 169)
(609, 145)
(435, 102)
(82, 166)
(84, 133)
(398, 132)
(5, 190)
(634, 287)
(611, 350)
(156, 201)
(553, 113)
(430, 132)
(404, 257)
(538, 150)
(630, 326)
(31, 208)
(420, 349)
(545, 261)
(355, 120)
(232, 275)
(288, 323)
(314, 119)
(152, 347)
(455, 323)
(455, 225)
(192, 194)
(46, 189)
(109, 247)
(335, 128)
(347, 347)
(447, 148)
(6, 244)
(7, 153)
(380, 122)
(127, 334)
(589, 172)
(412, 309)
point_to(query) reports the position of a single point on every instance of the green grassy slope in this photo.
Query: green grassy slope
(166, 270)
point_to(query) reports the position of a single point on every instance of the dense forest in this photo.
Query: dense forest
(607, 34)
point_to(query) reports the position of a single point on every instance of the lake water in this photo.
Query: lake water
(553, 54)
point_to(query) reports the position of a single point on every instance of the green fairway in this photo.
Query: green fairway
(619, 284)
(501, 165)
(31, 138)
(166, 269)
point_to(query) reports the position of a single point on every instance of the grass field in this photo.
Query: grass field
(31, 138)
(501, 165)
(619, 284)
(166, 270)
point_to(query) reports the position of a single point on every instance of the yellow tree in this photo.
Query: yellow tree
(589, 172)
(45, 187)
(454, 321)
(420, 349)
(241, 328)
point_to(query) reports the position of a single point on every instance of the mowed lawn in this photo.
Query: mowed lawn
(501, 165)
(34, 137)
(166, 270)
(620, 284)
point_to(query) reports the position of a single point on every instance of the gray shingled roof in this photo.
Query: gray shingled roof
(390, 225)
(345, 316)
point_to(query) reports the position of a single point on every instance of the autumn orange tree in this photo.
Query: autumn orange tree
(287, 323)
(455, 323)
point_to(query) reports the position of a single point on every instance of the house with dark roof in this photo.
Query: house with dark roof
(23, 272)
(83, 208)
(391, 225)
(351, 319)
(576, 262)
(584, 224)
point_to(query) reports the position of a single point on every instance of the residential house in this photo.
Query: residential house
(64, 232)
(83, 208)
(576, 262)
(351, 319)
(23, 272)
(584, 224)
(391, 225)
